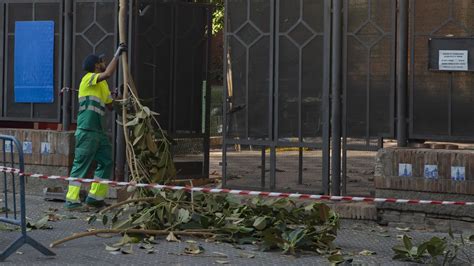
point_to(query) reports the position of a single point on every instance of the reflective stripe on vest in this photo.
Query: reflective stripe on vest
(91, 98)
(92, 108)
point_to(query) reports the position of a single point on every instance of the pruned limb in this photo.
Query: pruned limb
(204, 233)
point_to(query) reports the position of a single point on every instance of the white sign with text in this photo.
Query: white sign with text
(453, 60)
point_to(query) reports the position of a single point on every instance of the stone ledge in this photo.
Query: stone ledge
(424, 185)
(61, 146)
(454, 211)
(422, 221)
(355, 210)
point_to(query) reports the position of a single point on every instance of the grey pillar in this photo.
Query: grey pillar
(336, 98)
(326, 92)
(67, 66)
(402, 70)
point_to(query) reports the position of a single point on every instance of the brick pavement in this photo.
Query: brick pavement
(353, 237)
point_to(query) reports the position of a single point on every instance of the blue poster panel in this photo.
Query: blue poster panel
(34, 62)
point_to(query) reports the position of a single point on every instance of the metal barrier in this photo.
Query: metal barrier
(11, 216)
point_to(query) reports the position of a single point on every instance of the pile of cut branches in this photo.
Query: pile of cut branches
(148, 145)
(270, 223)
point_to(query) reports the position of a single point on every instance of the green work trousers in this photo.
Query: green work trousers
(91, 146)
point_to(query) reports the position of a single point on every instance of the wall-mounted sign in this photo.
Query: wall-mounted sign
(458, 173)
(451, 54)
(453, 60)
(405, 169)
(34, 62)
(45, 148)
(27, 147)
(431, 171)
(8, 146)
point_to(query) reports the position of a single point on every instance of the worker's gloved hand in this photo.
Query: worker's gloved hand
(122, 48)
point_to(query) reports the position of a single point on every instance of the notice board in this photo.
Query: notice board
(451, 54)
(34, 62)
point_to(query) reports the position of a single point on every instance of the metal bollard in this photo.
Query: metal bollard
(8, 144)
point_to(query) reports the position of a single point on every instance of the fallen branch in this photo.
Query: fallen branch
(204, 233)
(111, 207)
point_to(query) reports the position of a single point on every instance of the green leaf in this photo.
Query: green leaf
(247, 255)
(407, 242)
(146, 246)
(146, 217)
(109, 248)
(124, 241)
(400, 249)
(296, 235)
(133, 122)
(183, 216)
(127, 251)
(436, 246)
(125, 224)
(413, 251)
(150, 143)
(41, 223)
(422, 249)
(139, 130)
(105, 219)
(91, 219)
(141, 115)
(146, 110)
(336, 258)
(366, 252)
(260, 223)
(403, 229)
(193, 249)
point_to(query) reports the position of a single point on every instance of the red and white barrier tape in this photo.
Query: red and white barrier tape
(242, 192)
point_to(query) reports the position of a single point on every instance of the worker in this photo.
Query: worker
(92, 143)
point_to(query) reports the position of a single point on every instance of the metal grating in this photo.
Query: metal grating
(153, 52)
(277, 92)
(18, 10)
(249, 63)
(171, 47)
(300, 70)
(440, 102)
(369, 68)
(191, 65)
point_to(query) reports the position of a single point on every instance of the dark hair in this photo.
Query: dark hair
(89, 63)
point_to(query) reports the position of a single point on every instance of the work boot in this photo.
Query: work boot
(91, 202)
(71, 206)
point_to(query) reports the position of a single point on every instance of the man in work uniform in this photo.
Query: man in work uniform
(92, 143)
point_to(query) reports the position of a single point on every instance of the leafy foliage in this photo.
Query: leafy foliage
(151, 160)
(271, 223)
(432, 250)
(217, 16)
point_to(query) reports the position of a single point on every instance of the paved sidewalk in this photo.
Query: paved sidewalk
(354, 237)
